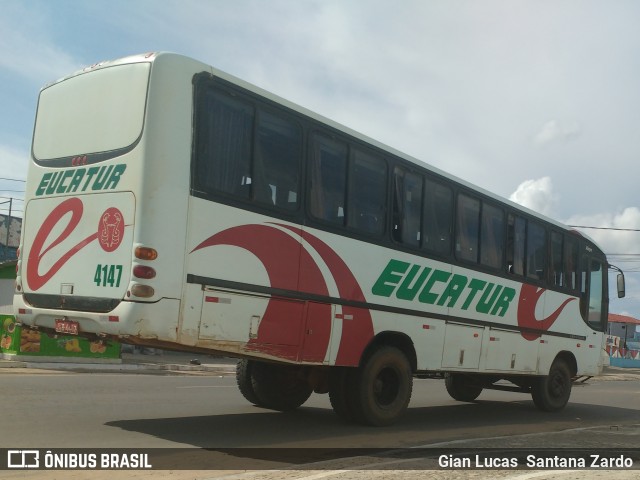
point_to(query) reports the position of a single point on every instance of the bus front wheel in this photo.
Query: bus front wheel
(551, 392)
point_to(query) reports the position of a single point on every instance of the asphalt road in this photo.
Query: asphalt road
(98, 410)
(119, 410)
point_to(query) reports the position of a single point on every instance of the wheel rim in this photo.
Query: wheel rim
(386, 387)
(557, 386)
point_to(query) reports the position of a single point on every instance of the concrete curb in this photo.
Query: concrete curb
(181, 363)
(168, 364)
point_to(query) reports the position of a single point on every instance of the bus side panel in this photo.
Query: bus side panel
(239, 267)
(509, 352)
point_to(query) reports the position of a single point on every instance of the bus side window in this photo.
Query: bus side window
(367, 193)
(536, 251)
(492, 236)
(407, 207)
(437, 221)
(467, 228)
(557, 265)
(277, 161)
(328, 180)
(224, 136)
(592, 294)
(571, 266)
(516, 234)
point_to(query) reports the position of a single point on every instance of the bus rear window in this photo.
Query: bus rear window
(97, 112)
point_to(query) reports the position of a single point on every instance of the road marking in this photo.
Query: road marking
(209, 386)
(322, 475)
(546, 473)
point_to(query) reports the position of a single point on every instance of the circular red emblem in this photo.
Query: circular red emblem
(110, 229)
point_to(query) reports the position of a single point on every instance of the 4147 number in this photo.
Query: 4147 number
(108, 275)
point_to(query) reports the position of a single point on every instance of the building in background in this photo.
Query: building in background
(623, 341)
(10, 229)
(625, 327)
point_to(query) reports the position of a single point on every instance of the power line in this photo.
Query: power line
(607, 228)
(12, 179)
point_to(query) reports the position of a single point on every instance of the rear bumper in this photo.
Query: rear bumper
(158, 320)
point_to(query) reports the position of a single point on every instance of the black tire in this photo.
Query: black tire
(340, 396)
(551, 392)
(279, 387)
(382, 388)
(244, 381)
(461, 387)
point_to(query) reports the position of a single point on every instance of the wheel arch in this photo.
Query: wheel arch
(570, 359)
(399, 340)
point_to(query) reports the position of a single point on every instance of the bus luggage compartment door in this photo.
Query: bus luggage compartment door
(266, 324)
(462, 346)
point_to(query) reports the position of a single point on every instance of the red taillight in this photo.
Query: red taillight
(146, 253)
(142, 271)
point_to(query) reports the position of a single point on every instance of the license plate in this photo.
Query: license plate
(68, 327)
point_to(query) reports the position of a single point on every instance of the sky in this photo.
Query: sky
(534, 100)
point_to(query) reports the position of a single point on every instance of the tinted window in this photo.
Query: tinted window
(516, 236)
(571, 266)
(438, 217)
(536, 251)
(245, 152)
(467, 228)
(276, 161)
(407, 207)
(328, 180)
(557, 266)
(492, 236)
(367, 193)
(592, 300)
(224, 140)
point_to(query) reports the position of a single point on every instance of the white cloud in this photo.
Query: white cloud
(536, 195)
(555, 131)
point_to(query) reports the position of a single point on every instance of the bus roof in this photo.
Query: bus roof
(171, 57)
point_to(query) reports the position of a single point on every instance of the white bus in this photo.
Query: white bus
(171, 205)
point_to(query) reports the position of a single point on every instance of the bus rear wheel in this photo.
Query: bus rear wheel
(279, 387)
(340, 392)
(551, 392)
(381, 388)
(461, 387)
(245, 382)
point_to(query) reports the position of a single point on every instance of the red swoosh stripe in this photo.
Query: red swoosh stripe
(282, 256)
(529, 297)
(358, 332)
